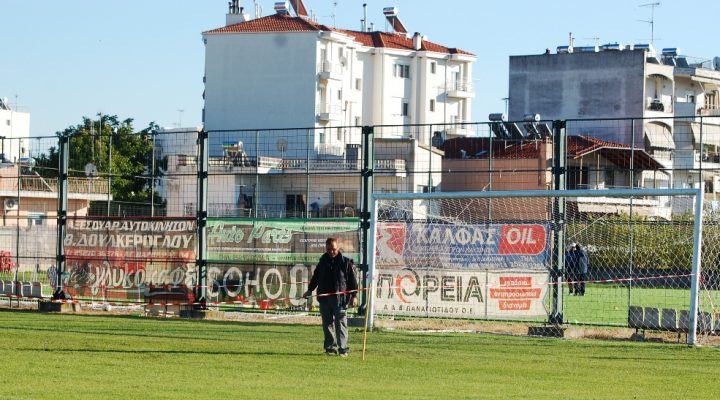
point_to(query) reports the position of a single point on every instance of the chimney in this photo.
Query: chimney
(417, 41)
(364, 27)
(236, 14)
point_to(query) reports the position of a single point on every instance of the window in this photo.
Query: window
(321, 137)
(358, 84)
(358, 121)
(340, 94)
(34, 218)
(456, 80)
(432, 105)
(433, 67)
(401, 71)
(341, 52)
(339, 134)
(344, 198)
(405, 109)
(295, 205)
(577, 178)
(609, 178)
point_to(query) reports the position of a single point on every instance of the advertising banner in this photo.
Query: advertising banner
(275, 287)
(279, 241)
(166, 239)
(517, 294)
(421, 245)
(460, 293)
(430, 293)
(121, 259)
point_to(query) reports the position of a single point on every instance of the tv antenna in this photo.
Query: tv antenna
(332, 15)
(651, 21)
(595, 39)
(180, 113)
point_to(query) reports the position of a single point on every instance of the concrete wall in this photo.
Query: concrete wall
(606, 84)
(261, 80)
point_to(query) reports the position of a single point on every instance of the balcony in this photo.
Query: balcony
(386, 167)
(658, 105)
(711, 111)
(324, 150)
(658, 207)
(459, 128)
(40, 184)
(329, 112)
(265, 165)
(685, 109)
(461, 89)
(393, 167)
(328, 70)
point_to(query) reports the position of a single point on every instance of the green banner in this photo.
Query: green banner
(300, 241)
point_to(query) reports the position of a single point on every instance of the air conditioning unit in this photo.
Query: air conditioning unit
(11, 204)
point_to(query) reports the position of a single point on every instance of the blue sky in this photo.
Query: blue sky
(144, 59)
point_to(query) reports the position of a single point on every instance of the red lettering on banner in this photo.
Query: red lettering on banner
(522, 239)
(517, 293)
(516, 281)
(514, 305)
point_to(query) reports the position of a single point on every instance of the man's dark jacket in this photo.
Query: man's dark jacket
(334, 275)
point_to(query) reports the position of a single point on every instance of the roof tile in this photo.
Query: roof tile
(287, 23)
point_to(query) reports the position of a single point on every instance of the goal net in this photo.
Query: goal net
(622, 258)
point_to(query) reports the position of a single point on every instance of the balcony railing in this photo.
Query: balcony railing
(461, 88)
(659, 105)
(75, 185)
(329, 70)
(329, 111)
(709, 111)
(296, 164)
(390, 165)
(330, 150)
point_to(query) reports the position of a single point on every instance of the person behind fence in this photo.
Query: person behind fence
(582, 264)
(571, 267)
(334, 279)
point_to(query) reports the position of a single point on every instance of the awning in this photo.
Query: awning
(710, 133)
(708, 83)
(658, 136)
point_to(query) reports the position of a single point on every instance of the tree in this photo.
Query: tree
(118, 152)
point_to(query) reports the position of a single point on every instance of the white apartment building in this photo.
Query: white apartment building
(286, 97)
(281, 71)
(14, 132)
(623, 82)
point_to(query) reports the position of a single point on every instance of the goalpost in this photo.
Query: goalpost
(516, 255)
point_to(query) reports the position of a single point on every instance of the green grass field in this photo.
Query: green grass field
(50, 356)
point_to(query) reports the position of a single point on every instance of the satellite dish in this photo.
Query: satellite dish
(282, 145)
(91, 170)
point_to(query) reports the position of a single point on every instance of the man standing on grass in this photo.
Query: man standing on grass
(334, 278)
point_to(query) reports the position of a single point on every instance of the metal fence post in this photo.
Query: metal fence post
(63, 166)
(202, 214)
(559, 182)
(368, 134)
